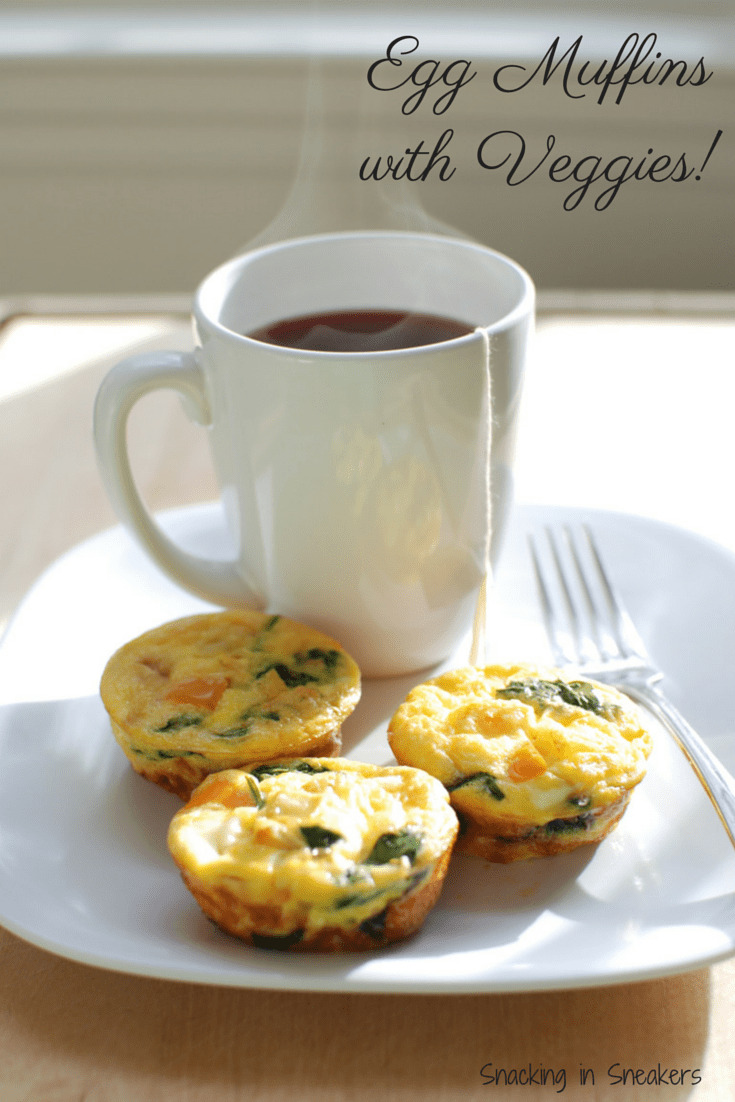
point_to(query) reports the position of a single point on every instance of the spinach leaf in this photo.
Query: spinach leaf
(540, 693)
(267, 626)
(568, 826)
(374, 926)
(318, 837)
(358, 899)
(177, 722)
(272, 769)
(406, 843)
(165, 755)
(486, 781)
(246, 721)
(330, 657)
(291, 678)
(233, 732)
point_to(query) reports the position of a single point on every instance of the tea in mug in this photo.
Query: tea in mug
(361, 331)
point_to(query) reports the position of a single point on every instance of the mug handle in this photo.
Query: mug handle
(127, 382)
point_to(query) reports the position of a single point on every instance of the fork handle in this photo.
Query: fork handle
(717, 782)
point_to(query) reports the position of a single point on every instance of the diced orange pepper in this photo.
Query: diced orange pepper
(199, 692)
(526, 764)
(219, 791)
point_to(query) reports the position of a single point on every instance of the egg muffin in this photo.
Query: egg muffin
(536, 763)
(322, 854)
(210, 692)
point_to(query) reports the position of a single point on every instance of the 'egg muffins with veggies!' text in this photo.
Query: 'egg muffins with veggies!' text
(536, 763)
(210, 692)
(322, 854)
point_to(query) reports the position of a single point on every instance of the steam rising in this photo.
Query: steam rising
(343, 125)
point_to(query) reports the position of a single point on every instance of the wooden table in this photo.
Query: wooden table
(70, 1032)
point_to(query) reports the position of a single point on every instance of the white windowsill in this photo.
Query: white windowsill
(214, 32)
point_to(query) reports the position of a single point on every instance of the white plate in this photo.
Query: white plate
(84, 869)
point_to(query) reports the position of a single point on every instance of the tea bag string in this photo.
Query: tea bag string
(478, 644)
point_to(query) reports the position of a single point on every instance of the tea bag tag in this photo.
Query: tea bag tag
(478, 644)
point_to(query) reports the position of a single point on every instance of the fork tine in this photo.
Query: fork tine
(605, 641)
(580, 613)
(586, 623)
(567, 628)
(555, 630)
(565, 591)
(627, 637)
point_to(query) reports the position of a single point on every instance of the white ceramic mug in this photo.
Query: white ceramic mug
(355, 483)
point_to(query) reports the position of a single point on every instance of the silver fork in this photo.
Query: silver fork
(589, 629)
